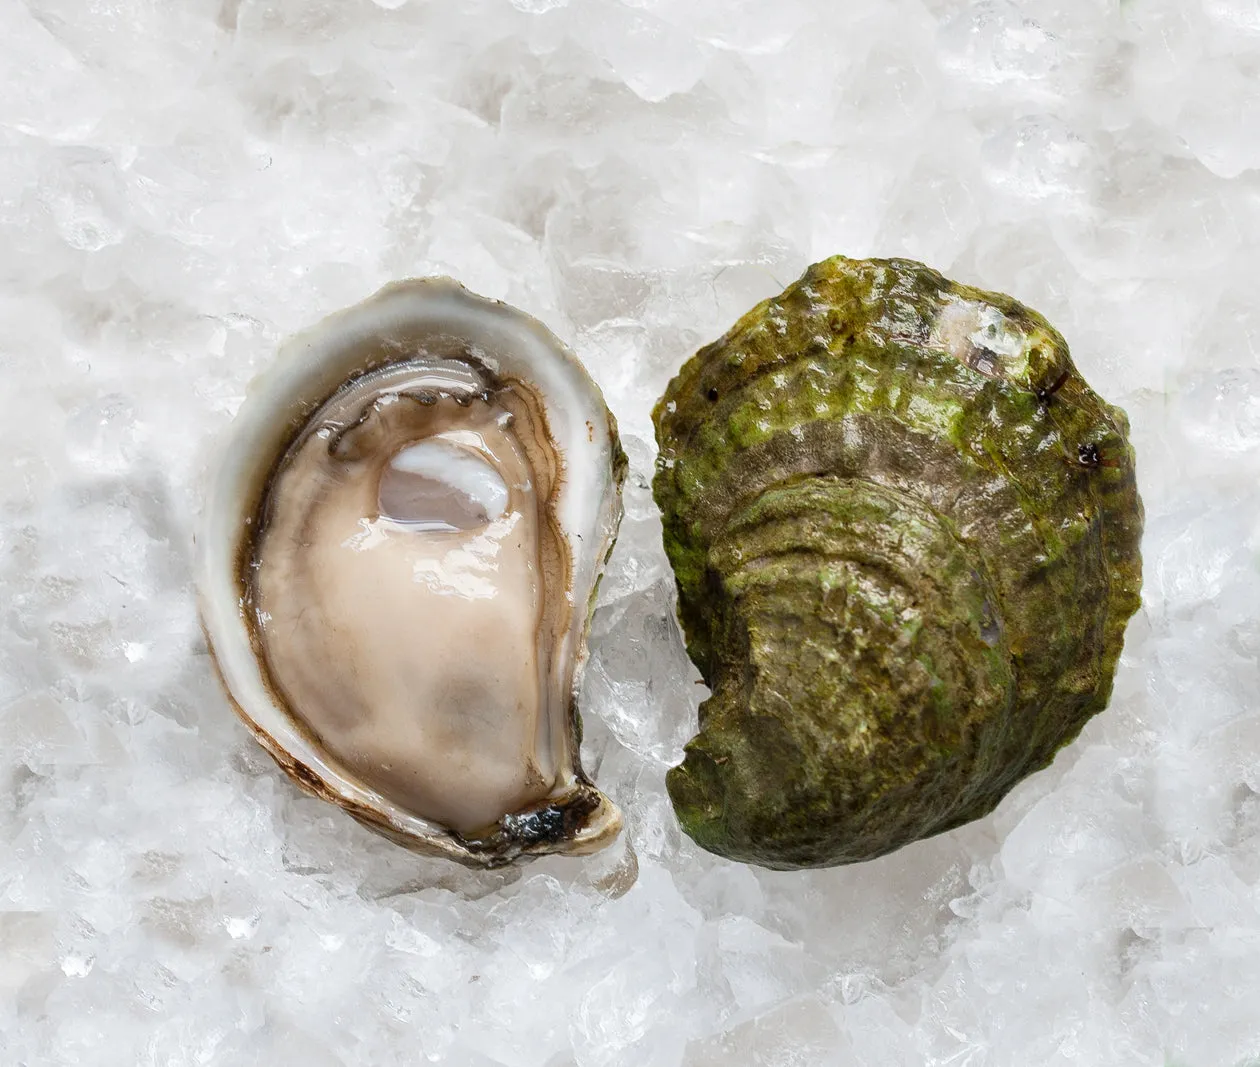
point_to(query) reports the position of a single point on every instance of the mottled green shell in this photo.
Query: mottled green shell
(906, 539)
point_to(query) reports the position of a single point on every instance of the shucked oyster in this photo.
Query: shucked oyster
(399, 556)
(905, 535)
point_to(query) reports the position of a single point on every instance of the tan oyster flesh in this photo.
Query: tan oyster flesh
(405, 590)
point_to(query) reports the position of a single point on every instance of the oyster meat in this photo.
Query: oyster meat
(905, 534)
(398, 560)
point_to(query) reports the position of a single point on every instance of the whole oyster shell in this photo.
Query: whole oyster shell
(905, 534)
(397, 564)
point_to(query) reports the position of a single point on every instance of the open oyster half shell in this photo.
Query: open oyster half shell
(397, 563)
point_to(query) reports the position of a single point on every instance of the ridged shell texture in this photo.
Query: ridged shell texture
(905, 534)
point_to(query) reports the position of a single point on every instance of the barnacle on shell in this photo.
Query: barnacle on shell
(905, 534)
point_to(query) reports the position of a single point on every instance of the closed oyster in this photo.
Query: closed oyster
(905, 534)
(399, 556)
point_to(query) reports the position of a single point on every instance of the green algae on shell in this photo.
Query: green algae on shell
(905, 534)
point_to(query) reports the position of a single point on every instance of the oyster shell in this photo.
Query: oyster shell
(905, 534)
(398, 559)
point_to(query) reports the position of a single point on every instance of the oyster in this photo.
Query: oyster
(397, 564)
(905, 534)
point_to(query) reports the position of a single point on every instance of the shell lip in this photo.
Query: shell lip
(575, 819)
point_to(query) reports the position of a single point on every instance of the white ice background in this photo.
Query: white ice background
(184, 183)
